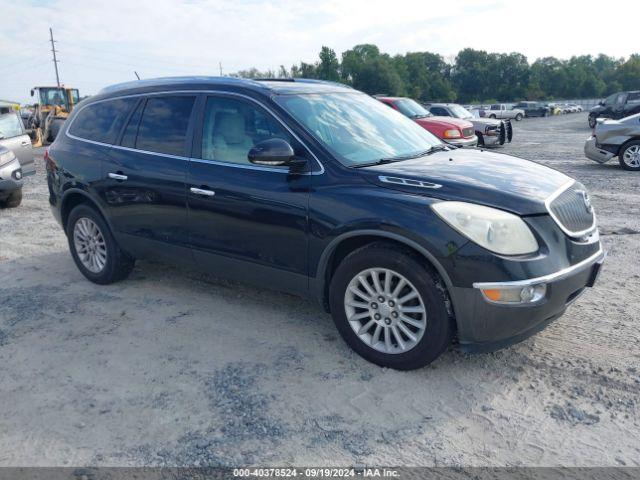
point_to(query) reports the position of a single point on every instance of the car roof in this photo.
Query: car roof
(265, 86)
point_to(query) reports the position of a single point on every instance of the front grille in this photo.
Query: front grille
(468, 132)
(572, 210)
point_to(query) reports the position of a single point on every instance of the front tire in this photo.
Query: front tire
(629, 156)
(390, 307)
(13, 200)
(93, 248)
(518, 117)
(592, 121)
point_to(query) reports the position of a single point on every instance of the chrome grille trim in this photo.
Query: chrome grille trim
(572, 233)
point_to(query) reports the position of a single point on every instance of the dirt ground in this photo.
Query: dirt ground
(175, 368)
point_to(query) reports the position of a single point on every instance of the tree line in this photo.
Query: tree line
(475, 76)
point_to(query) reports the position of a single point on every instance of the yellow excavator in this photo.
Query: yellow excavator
(51, 108)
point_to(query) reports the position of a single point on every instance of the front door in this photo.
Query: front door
(246, 222)
(13, 137)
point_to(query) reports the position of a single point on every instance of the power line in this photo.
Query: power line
(55, 60)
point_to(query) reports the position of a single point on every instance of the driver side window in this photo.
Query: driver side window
(232, 127)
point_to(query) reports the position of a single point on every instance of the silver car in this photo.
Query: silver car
(16, 157)
(613, 138)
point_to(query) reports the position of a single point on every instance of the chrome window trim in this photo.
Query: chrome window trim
(556, 194)
(193, 159)
(552, 277)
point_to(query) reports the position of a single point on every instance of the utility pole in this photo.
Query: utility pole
(220, 64)
(55, 60)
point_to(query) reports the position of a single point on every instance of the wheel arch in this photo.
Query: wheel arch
(627, 142)
(346, 243)
(74, 197)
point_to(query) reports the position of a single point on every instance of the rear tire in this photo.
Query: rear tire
(629, 156)
(419, 328)
(480, 139)
(94, 249)
(13, 200)
(493, 115)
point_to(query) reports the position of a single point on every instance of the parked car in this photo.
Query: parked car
(533, 109)
(490, 132)
(17, 161)
(460, 133)
(10, 179)
(322, 191)
(616, 106)
(613, 138)
(502, 110)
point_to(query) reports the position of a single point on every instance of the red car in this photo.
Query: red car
(453, 131)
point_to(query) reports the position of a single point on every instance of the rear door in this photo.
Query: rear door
(13, 137)
(246, 221)
(143, 177)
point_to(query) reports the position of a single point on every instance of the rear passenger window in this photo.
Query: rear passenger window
(163, 127)
(131, 132)
(102, 121)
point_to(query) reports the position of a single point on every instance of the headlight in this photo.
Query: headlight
(493, 229)
(7, 157)
(452, 133)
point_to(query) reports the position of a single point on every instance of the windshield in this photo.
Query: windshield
(459, 111)
(356, 128)
(411, 108)
(10, 125)
(52, 96)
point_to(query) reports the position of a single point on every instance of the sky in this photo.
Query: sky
(103, 42)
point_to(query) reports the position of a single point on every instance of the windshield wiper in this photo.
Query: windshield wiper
(399, 158)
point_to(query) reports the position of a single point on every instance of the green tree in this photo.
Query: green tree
(628, 74)
(329, 66)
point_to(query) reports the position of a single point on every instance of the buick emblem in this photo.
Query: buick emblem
(586, 199)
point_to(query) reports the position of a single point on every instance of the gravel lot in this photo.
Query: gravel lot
(176, 368)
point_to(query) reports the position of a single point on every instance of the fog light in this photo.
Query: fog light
(17, 174)
(515, 296)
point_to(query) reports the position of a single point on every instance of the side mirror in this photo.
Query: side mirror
(274, 152)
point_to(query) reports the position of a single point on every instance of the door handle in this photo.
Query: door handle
(201, 191)
(24, 143)
(118, 176)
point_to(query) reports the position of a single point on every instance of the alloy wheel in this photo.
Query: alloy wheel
(631, 156)
(90, 245)
(385, 310)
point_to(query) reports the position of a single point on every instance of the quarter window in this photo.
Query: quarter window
(164, 123)
(232, 127)
(102, 122)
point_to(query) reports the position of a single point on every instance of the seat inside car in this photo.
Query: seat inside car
(227, 141)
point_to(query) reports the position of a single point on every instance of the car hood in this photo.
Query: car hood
(443, 122)
(486, 121)
(474, 175)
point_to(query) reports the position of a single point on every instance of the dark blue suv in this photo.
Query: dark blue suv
(319, 190)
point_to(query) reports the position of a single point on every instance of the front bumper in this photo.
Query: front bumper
(485, 326)
(462, 142)
(592, 152)
(10, 178)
